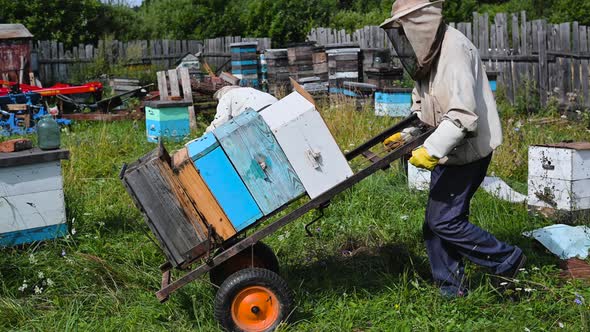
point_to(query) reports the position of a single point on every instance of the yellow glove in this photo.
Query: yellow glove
(394, 141)
(421, 159)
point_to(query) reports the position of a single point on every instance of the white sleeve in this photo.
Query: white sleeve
(444, 139)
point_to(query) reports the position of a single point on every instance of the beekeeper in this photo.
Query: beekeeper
(234, 100)
(452, 93)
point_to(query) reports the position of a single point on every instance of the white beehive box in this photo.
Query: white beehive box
(307, 142)
(32, 206)
(559, 177)
(418, 179)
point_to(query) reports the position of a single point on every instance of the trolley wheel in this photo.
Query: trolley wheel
(253, 300)
(260, 255)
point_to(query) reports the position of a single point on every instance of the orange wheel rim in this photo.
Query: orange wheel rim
(255, 308)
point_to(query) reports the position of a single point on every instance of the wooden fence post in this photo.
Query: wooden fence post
(543, 72)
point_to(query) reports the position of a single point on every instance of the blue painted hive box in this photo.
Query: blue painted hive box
(244, 63)
(167, 119)
(224, 182)
(393, 102)
(258, 158)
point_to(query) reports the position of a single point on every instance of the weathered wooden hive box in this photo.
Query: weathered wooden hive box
(259, 160)
(169, 212)
(307, 142)
(393, 102)
(559, 178)
(32, 206)
(344, 63)
(224, 182)
(167, 119)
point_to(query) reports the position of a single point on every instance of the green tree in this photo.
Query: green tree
(71, 21)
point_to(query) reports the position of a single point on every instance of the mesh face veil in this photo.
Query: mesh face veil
(417, 39)
(404, 50)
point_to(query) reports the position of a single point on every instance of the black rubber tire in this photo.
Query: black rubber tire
(247, 278)
(264, 258)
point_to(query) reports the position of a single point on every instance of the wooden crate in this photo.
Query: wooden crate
(559, 177)
(168, 211)
(253, 150)
(201, 195)
(32, 206)
(224, 181)
(307, 142)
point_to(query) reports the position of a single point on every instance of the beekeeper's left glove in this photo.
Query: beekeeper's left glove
(421, 159)
(396, 140)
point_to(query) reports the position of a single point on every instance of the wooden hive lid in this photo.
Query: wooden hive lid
(579, 146)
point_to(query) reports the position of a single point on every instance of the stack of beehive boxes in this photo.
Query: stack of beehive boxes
(278, 69)
(260, 161)
(301, 60)
(226, 181)
(343, 63)
(244, 62)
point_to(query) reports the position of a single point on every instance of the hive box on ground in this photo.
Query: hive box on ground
(559, 178)
(393, 102)
(261, 163)
(168, 211)
(224, 181)
(32, 206)
(200, 194)
(307, 142)
(418, 179)
(167, 119)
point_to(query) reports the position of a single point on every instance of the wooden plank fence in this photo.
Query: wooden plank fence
(58, 64)
(534, 60)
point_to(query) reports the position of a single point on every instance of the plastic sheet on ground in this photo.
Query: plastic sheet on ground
(498, 188)
(563, 240)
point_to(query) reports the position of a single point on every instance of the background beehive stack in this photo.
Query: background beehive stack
(320, 63)
(343, 63)
(301, 60)
(244, 61)
(278, 69)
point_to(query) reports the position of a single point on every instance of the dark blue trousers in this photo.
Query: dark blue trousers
(450, 236)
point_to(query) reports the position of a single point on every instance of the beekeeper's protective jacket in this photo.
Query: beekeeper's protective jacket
(458, 100)
(236, 101)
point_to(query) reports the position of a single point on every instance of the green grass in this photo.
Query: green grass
(365, 269)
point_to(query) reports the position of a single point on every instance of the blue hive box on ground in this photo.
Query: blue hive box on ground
(393, 102)
(167, 119)
(224, 182)
(257, 156)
